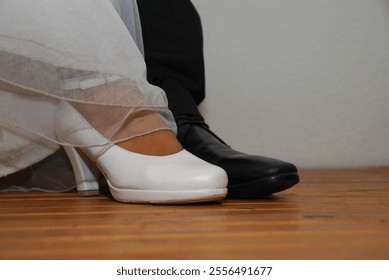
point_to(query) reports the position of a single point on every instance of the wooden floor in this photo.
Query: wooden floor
(331, 214)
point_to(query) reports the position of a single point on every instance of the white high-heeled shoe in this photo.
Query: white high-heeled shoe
(133, 177)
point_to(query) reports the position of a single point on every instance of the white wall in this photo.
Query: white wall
(302, 80)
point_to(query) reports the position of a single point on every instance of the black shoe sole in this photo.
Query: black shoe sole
(263, 187)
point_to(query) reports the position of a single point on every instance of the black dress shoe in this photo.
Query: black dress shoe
(249, 176)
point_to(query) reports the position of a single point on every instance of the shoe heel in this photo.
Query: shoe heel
(85, 172)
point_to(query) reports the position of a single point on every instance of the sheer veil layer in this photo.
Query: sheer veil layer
(87, 53)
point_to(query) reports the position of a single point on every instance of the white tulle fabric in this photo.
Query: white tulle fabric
(85, 52)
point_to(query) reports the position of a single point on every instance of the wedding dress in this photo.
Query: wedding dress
(54, 51)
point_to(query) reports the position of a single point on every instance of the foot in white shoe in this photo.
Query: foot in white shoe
(133, 177)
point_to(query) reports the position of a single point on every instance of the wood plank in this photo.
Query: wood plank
(331, 214)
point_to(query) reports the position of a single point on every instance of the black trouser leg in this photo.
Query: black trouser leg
(174, 56)
(173, 43)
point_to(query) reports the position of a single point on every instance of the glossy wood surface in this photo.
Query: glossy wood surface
(330, 214)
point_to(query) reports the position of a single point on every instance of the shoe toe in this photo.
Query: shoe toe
(208, 177)
(190, 173)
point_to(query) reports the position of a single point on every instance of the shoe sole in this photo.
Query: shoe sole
(166, 197)
(263, 187)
